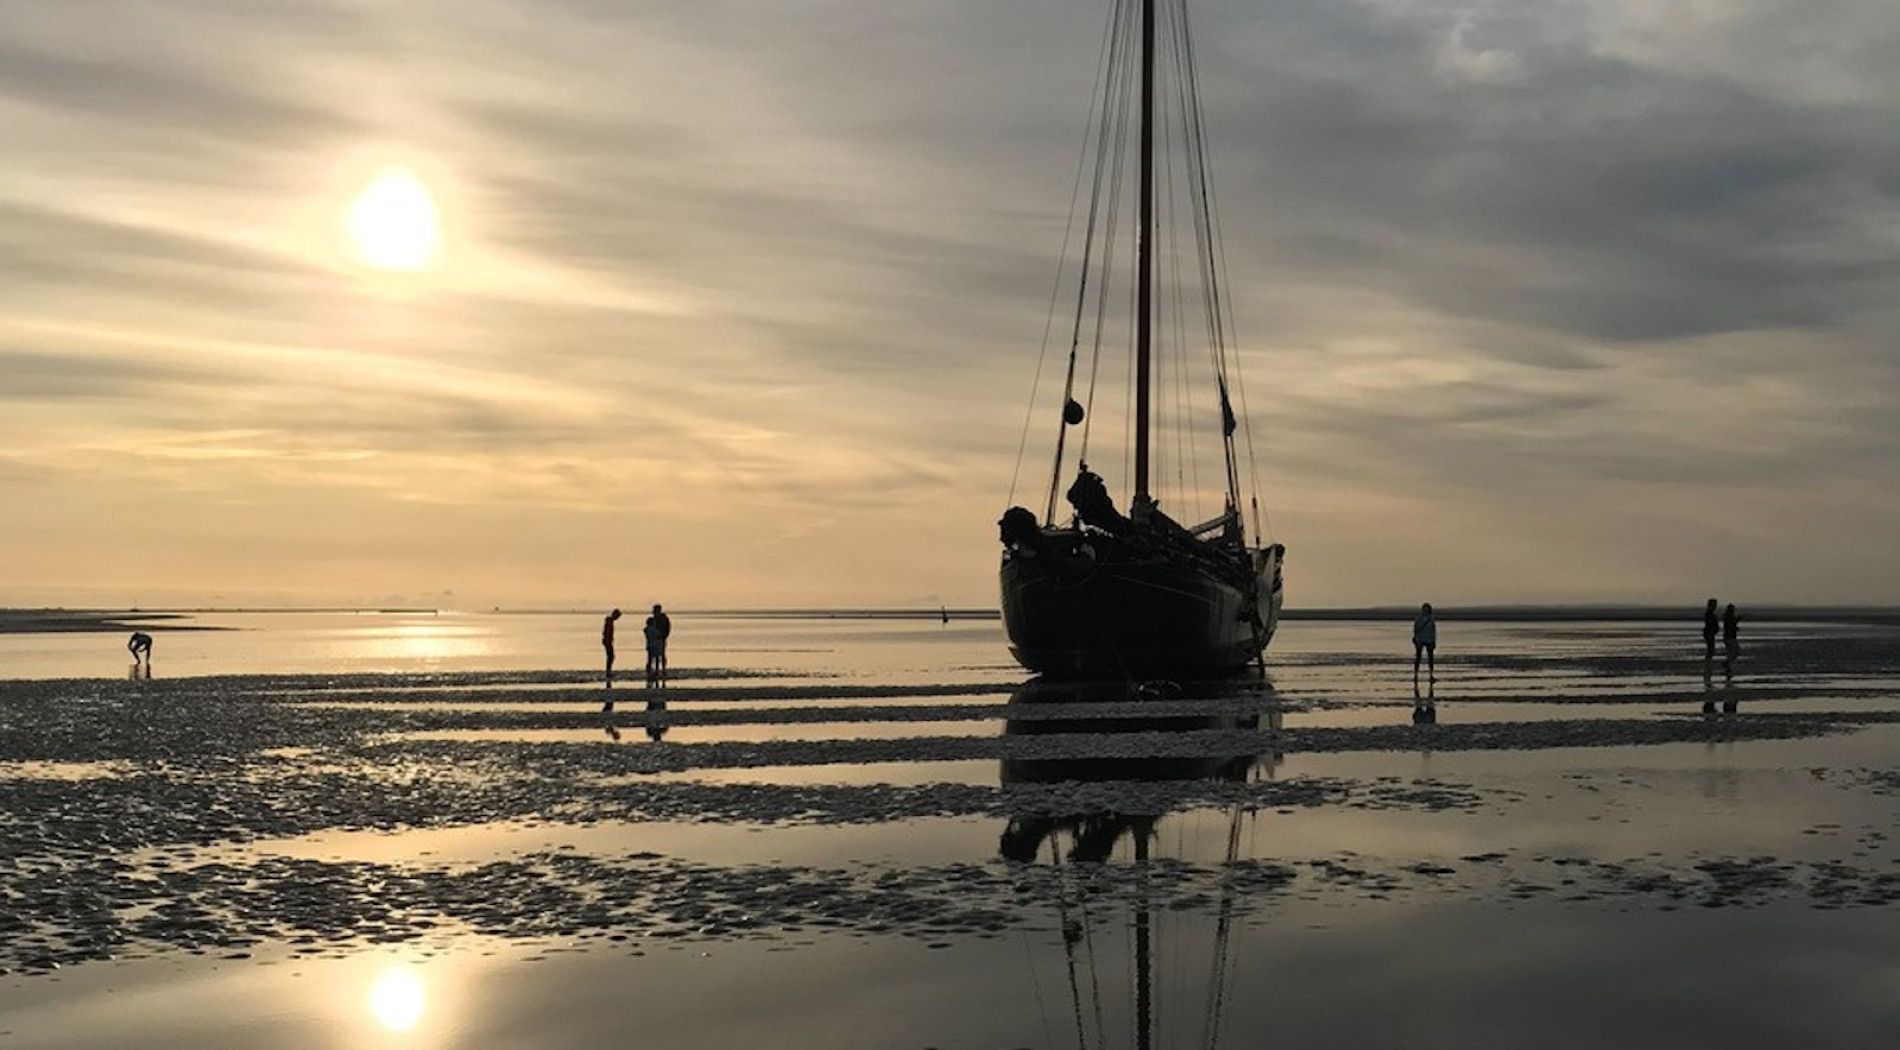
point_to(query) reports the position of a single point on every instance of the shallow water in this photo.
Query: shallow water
(1572, 855)
(1505, 977)
(337, 643)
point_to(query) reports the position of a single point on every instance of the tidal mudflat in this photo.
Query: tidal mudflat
(882, 836)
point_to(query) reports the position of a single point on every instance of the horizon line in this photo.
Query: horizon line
(1524, 611)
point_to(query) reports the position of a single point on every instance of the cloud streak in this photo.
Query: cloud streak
(740, 300)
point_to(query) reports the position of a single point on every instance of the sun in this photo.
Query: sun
(394, 223)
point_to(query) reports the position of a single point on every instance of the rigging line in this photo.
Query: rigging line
(1185, 99)
(1095, 979)
(1157, 964)
(1042, 1010)
(1128, 407)
(1157, 303)
(1177, 948)
(1217, 990)
(1205, 230)
(1068, 947)
(1115, 162)
(1144, 1014)
(1115, 52)
(1055, 293)
(1182, 398)
(1220, 248)
(1191, 116)
(1166, 388)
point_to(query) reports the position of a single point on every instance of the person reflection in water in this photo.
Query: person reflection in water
(1708, 696)
(1710, 624)
(1424, 705)
(659, 628)
(1425, 642)
(1731, 645)
(607, 643)
(656, 720)
(140, 646)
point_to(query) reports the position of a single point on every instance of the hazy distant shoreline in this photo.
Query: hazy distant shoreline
(57, 621)
(61, 621)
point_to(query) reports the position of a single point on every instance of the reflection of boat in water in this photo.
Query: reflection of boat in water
(1092, 838)
(1052, 695)
(1094, 835)
(1142, 594)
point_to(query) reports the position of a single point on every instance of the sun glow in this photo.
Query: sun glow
(396, 999)
(394, 223)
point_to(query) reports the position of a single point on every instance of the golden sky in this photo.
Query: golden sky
(738, 302)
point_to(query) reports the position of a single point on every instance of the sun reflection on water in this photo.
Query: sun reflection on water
(397, 998)
(425, 641)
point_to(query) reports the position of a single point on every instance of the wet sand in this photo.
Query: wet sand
(246, 825)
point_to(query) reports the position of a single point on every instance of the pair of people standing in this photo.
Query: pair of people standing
(1729, 624)
(658, 628)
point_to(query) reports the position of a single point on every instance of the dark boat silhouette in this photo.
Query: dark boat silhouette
(1105, 594)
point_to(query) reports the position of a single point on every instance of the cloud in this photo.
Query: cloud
(1577, 278)
(129, 94)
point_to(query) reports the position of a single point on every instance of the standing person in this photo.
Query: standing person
(1710, 622)
(659, 627)
(1731, 646)
(140, 646)
(607, 643)
(1425, 641)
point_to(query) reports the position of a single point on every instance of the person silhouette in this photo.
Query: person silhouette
(607, 643)
(1731, 645)
(1710, 624)
(659, 628)
(140, 646)
(1425, 642)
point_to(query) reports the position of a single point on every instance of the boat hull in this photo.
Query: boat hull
(1073, 612)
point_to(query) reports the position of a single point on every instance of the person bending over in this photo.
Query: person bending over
(140, 646)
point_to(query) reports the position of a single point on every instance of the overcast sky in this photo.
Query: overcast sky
(739, 301)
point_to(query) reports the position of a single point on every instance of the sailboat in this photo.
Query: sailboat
(1103, 594)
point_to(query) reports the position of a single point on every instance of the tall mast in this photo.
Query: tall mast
(1144, 250)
